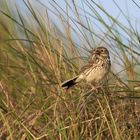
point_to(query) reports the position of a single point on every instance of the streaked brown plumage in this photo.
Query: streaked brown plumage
(94, 71)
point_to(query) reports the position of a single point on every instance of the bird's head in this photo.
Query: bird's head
(100, 51)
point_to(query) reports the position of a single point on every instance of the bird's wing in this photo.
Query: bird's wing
(91, 63)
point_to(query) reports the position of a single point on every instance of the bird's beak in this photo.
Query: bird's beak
(97, 52)
(92, 52)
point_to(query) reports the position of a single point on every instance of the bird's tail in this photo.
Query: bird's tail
(69, 83)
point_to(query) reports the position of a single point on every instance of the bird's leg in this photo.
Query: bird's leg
(95, 87)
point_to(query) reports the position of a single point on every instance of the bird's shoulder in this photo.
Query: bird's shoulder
(90, 63)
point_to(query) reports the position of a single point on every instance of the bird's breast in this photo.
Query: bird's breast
(96, 74)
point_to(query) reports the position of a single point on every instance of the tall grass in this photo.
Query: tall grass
(36, 56)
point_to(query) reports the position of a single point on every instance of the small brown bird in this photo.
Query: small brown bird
(94, 71)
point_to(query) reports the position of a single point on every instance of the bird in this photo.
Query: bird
(95, 71)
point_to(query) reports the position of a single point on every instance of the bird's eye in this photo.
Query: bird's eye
(102, 50)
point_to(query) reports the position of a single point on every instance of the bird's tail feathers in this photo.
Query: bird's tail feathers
(69, 83)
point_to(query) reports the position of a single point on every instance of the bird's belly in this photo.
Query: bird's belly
(96, 75)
